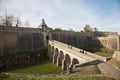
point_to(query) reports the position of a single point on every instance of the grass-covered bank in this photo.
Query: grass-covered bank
(4, 77)
(100, 50)
(36, 65)
(41, 67)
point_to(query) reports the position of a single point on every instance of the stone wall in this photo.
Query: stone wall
(26, 57)
(104, 34)
(18, 39)
(77, 39)
(81, 40)
(111, 42)
(116, 55)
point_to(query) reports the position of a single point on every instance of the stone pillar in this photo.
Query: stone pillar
(54, 58)
(44, 38)
(63, 64)
(58, 60)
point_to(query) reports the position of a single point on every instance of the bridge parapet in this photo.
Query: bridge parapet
(86, 52)
(67, 55)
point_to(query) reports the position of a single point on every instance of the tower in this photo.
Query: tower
(43, 25)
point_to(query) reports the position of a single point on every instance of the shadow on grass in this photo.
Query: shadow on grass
(100, 50)
(44, 60)
(23, 66)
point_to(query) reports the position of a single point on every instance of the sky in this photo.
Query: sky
(66, 14)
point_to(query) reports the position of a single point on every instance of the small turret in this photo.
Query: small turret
(43, 25)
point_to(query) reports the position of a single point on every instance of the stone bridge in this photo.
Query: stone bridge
(65, 55)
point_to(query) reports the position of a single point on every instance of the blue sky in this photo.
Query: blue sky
(66, 14)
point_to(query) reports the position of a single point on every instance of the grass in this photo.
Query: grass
(42, 67)
(4, 77)
(100, 50)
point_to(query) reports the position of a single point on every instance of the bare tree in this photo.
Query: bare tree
(9, 20)
(17, 22)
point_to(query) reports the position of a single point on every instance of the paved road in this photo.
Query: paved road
(109, 70)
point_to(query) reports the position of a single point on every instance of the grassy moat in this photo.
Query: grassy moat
(46, 67)
(100, 50)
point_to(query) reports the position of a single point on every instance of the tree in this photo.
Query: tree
(17, 22)
(9, 20)
(87, 29)
(95, 29)
(58, 29)
(71, 30)
(27, 24)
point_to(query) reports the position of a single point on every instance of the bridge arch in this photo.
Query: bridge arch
(60, 58)
(56, 53)
(74, 61)
(51, 53)
(67, 61)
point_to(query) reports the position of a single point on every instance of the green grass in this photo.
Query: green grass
(100, 50)
(104, 54)
(4, 77)
(42, 67)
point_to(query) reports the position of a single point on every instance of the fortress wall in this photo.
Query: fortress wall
(109, 42)
(78, 40)
(116, 55)
(101, 34)
(81, 40)
(13, 39)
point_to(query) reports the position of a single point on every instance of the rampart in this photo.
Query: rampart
(77, 39)
(81, 40)
(116, 55)
(18, 39)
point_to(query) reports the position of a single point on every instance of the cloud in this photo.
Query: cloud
(64, 13)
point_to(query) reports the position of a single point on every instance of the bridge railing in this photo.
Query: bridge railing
(78, 50)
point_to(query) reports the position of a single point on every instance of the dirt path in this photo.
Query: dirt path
(50, 75)
(109, 70)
